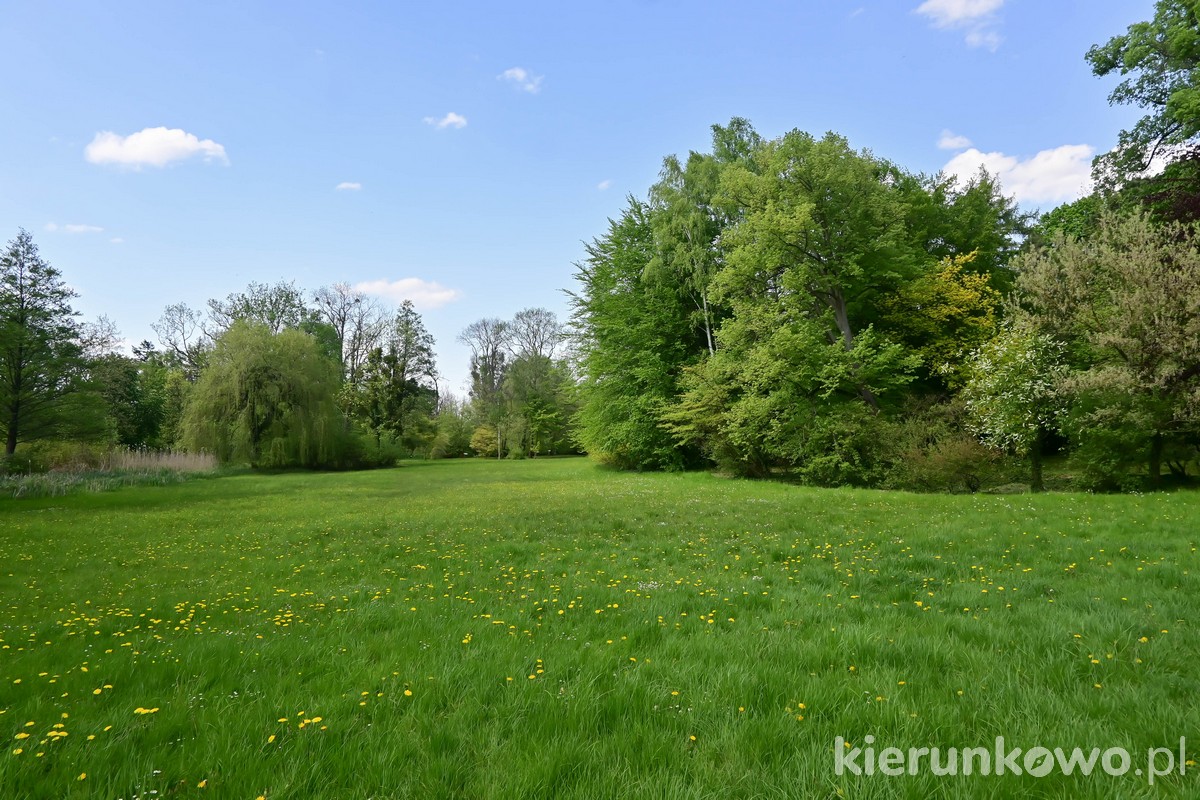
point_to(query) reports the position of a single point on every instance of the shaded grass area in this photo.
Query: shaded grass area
(552, 629)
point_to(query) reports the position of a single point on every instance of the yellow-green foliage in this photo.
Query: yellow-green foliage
(945, 314)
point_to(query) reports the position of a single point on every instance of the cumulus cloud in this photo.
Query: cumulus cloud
(53, 227)
(604, 184)
(949, 140)
(975, 17)
(424, 294)
(1057, 175)
(348, 186)
(155, 147)
(451, 120)
(522, 79)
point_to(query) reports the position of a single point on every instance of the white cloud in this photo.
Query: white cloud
(348, 186)
(117, 240)
(155, 147)
(53, 227)
(424, 294)
(604, 184)
(522, 78)
(1058, 175)
(949, 140)
(949, 13)
(451, 120)
(976, 17)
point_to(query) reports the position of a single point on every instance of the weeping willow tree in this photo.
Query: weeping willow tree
(266, 399)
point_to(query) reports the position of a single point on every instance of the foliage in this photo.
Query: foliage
(634, 334)
(266, 399)
(943, 315)
(44, 391)
(1127, 304)
(1160, 63)
(396, 395)
(1012, 394)
(933, 450)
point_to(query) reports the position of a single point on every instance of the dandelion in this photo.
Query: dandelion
(202, 784)
(82, 775)
(270, 738)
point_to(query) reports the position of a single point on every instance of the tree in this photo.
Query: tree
(1160, 63)
(180, 331)
(1012, 394)
(488, 340)
(358, 320)
(1127, 305)
(943, 315)
(277, 308)
(634, 334)
(534, 332)
(822, 232)
(397, 395)
(43, 388)
(267, 399)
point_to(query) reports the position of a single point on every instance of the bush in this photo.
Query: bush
(932, 451)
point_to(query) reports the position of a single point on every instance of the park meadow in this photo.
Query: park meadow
(552, 628)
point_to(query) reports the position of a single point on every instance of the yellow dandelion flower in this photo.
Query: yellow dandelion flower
(270, 738)
(95, 691)
(82, 775)
(22, 735)
(202, 784)
(408, 692)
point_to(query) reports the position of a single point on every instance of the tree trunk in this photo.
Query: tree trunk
(707, 325)
(842, 317)
(1155, 466)
(1036, 483)
(10, 445)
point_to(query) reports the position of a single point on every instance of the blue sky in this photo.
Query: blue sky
(460, 153)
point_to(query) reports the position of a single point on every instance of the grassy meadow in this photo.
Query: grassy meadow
(550, 629)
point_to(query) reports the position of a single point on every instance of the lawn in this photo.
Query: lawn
(548, 628)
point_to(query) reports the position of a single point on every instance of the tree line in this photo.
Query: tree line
(796, 305)
(270, 376)
(773, 306)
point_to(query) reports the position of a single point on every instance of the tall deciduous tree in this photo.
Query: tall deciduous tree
(180, 331)
(43, 391)
(358, 320)
(634, 334)
(1127, 304)
(488, 341)
(1159, 61)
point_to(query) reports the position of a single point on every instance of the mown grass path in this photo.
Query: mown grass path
(551, 629)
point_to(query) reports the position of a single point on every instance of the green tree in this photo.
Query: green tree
(267, 399)
(1012, 394)
(822, 230)
(397, 395)
(943, 315)
(276, 308)
(488, 340)
(1159, 61)
(1127, 304)
(43, 380)
(634, 333)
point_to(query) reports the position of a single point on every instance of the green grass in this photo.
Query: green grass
(550, 629)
